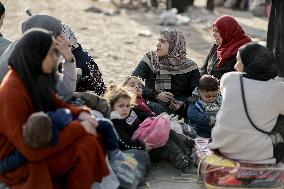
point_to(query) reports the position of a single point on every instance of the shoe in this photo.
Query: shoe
(189, 170)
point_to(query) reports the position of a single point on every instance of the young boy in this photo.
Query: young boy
(204, 105)
(42, 130)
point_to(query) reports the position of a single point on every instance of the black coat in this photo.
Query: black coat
(182, 84)
(210, 65)
(125, 131)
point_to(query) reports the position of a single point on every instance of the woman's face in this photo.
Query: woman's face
(50, 61)
(122, 107)
(2, 19)
(162, 46)
(217, 37)
(239, 66)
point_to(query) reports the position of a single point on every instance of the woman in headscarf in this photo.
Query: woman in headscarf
(169, 76)
(65, 81)
(91, 77)
(234, 135)
(229, 37)
(78, 160)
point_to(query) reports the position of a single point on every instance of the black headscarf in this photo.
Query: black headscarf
(2, 9)
(26, 58)
(259, 62)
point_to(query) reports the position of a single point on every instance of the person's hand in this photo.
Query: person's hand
(148, 146)
(62, 46)
(88, 126)
(175, 105)
(165, 96)
(85, 116)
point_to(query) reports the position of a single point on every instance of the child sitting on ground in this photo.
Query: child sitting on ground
(175, 151)
(135, 84)
(126, 122)
(204, 105)
(42, 130)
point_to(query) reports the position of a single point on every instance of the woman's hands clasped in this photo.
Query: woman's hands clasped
(165, 97)
(168, 98)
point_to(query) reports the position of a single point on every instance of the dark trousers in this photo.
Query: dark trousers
(176, 151)
(110, 137)
(275, 38)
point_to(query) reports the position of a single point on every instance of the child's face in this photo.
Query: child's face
(208, 96)
(122, 106)
(135, 85)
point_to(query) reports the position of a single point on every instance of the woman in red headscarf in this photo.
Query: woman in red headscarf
(229, 36)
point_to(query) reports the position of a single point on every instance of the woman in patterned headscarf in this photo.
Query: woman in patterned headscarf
(169, 76)
(91, 78)
(229, 36)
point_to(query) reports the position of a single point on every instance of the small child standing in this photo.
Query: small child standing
(42, 130)
(204, 105)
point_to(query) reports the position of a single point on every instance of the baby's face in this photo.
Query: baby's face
(208, 96)
(135, 85)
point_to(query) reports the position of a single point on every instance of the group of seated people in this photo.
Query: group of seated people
(51, 138)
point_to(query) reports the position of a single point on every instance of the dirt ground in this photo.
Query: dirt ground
(118, 42)
(114, 41)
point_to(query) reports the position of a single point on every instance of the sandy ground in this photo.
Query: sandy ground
(114, 41)
(117, 46)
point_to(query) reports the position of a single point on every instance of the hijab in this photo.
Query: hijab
(175, 62)
(69, 35)
(26, 58)
(233, 37)
(43, 21)
(37, 21)
(259, 62)
(172, 64)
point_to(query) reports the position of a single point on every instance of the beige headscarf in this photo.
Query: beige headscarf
(172, 64)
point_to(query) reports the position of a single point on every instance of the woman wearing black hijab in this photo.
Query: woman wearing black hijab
(26, 89)
(234, 134)
(65, 82)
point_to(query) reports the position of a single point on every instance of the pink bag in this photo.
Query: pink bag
(154, 130)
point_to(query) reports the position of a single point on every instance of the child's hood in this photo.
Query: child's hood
(115, 115)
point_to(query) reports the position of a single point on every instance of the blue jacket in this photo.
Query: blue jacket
(199, 114)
